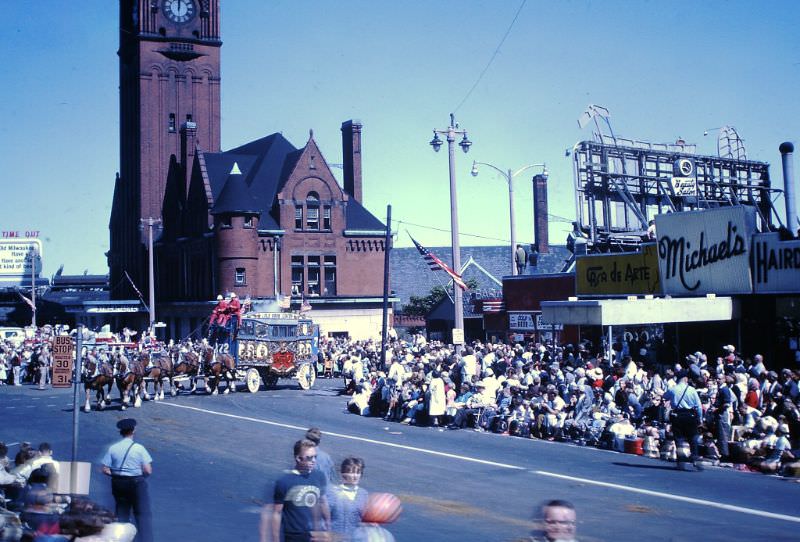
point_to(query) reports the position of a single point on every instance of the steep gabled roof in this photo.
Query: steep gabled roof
(266, 165)
(360, 219)
(262, 163)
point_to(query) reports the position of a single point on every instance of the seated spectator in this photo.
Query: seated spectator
(710, 451)
(359, 402)
(459, 402)
(779, 453)
(550, 418)
(415, 407)
(41, 510)
(476, 404)
(621, 427)
(522, 415)
(23, 454)
(4, 460)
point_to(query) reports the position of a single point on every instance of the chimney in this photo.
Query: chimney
(787, 150)
(188, 141)
(540, 213)
(351, 157)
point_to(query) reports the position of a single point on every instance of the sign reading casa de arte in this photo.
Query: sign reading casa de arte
(707, 251)
(619, 274)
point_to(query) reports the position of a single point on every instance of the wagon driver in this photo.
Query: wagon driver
(234, 315)
(219, 318)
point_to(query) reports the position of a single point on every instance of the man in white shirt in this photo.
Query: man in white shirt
(470, 365)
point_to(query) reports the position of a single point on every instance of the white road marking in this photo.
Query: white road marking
(712, 504)
(351, 437)
(701, 502)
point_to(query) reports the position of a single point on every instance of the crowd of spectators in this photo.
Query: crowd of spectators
(750, 421)
(31, 509)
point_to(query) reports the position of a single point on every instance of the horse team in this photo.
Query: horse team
(131, 370)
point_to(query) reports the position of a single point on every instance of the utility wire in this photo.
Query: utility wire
(461, 233)
(491, 60)
(399, 222)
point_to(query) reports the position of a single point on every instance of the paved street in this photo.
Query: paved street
(214, 457)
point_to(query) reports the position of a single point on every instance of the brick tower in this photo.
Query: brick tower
(169, 60)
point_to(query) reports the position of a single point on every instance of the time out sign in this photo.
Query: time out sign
(17, 256)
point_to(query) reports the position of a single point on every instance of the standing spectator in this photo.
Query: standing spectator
(299, 506)
(16, 368)
(437, 402)
(324, 462)
(686, 414)
(533, 258)
(45, 361)
(520, 259)
(129, 464)
(347, 500)
(724, 408)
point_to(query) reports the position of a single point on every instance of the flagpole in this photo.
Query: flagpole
(385, 316)
(33, 288)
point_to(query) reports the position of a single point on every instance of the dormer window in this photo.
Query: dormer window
(248, 222)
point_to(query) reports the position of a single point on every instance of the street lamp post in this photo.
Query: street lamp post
(450, 133)
(34, 256)
(509, 177)
(150, 224)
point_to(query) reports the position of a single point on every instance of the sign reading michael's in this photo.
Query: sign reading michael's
(701, 252)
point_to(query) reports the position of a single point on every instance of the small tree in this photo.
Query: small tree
(422, 305)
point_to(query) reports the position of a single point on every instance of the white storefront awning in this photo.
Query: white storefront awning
(639, 311)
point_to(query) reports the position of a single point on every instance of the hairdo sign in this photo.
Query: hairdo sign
(702, 252)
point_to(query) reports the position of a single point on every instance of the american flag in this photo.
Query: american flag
(438, 265)
(493, 305)
(26, 300)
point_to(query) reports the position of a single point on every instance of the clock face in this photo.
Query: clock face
(179, 11)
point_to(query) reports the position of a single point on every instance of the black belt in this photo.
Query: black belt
(122, 477)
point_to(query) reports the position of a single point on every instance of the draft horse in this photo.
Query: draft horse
(185, 364)
(157, 366)
(129, 376)
(98, 376)
(218, 364)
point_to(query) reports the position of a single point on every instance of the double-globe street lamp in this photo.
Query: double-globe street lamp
(450, 134)
(509, 177)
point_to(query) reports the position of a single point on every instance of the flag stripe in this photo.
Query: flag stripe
(436, 264)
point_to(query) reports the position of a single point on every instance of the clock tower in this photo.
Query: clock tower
(169, 70)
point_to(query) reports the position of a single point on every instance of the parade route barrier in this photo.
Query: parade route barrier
(74, 477)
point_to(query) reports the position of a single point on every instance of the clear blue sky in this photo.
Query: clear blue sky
(664, 70)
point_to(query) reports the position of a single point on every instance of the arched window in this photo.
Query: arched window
(312, 211)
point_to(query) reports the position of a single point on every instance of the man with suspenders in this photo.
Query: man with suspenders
(129, 464)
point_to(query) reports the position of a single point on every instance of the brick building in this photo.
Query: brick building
(169, 71)
(262, 219)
